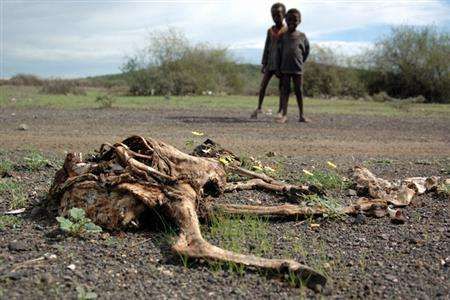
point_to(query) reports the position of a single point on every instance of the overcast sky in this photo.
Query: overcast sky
(80, 37)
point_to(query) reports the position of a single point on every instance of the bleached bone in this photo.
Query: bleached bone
(124, 180)
(128, 178)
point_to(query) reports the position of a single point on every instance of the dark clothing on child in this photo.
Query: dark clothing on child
(293, 50)
(270, 55)
(285, 89)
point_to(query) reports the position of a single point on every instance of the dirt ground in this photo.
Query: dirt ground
(371, 258)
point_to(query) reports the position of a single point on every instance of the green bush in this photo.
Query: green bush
(412, 61)
(105, 101)
(62, 87)
(25, 79)
(325, 77)
(170, 65)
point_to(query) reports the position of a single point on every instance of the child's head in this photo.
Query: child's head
(278, 11)
(293, 19)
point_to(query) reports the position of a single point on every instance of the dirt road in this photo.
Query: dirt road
(369, 258)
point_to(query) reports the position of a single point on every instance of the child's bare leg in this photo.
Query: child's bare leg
(285, 78)
(262, 92)
(298, 82)
(280, 105)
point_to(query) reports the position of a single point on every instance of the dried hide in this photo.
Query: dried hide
(116, 186)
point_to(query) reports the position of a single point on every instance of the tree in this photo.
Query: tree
(413, 61)
(169, 64)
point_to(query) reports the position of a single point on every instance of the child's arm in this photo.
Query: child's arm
(265, 57)
(306, 53)
(266, 51)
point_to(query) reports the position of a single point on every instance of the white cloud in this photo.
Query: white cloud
(346, 48)
(84, 30)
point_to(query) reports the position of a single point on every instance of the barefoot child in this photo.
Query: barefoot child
(270, 59)
(293, 51)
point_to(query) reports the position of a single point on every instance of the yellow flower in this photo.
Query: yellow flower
(269, 169)
(331, 165)
(224, 161)
(308, 172)
(257, 168)
(196, 133)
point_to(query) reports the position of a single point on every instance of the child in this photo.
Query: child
(270, 59)
(293, 51)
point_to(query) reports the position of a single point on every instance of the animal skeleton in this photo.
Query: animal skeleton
(124, 180)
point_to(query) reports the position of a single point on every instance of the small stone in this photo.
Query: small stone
(23, 127)
(18, 246)
(384, 236)
(398, 217)
(419, 264)
(71, 267)
(391, 278)
(445, 262)
(351, 192)
(360, 219)
(50, 256)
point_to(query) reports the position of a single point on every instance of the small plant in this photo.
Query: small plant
(235, 233)
(19, 198)
(83, 294)
(8, 185)
(77, 224)
(6, 166)
(444, 189)
(35, 161)
(196, 136)
(105, 101)
(328, 179)
(334, 209)
(9, 222)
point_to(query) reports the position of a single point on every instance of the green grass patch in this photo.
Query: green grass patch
(35, 161)
(6, 166)
(312, 252)
(25, 96)
(7, 185)
(18, 197)
(9, 222)
(380, 161)
(246, 234)
(331, 204)
(324, 179)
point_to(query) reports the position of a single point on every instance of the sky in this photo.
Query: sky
(78, 38)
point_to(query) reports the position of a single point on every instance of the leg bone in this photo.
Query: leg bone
(192, 244)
